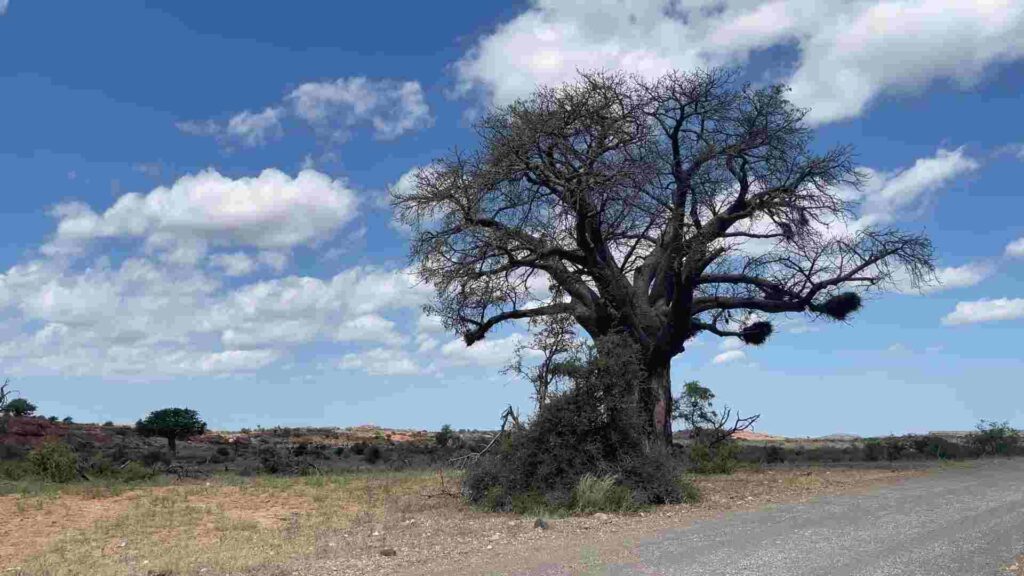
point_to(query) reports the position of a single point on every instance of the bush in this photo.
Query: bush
(895, 447)
(153, 457)
(602, 494)
(68, 420)
(689, 490)
(359, 448)
(445, 436)
(933, 446)
(591, 429)
(339, 451)
(108, 424)
(373, 455)
(720, 460)
(994, 438)
(136, 472)
(54, 462)
(19, 407)
(873, 450)
(16, 470)
(774, 454)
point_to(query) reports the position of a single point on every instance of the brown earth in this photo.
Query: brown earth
(449, 539)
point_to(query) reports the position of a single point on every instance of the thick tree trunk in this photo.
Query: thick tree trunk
(660, 382)
(172, 443)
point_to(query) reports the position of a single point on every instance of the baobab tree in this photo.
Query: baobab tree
(659, 209)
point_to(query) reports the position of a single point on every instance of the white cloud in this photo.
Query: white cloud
(729, 356)
(888, 196)
(730, 343)
(986, 310)
(4, 5)
(142, 317)
(236, 360)
(199, 127)
(270, 211)
(489, 352)
(848, 52)
(381, 362)
(369, 328)
(962, 276)
(947, 278)
(255, 129)
(1015, 249)
(391, 107)
(234, 264)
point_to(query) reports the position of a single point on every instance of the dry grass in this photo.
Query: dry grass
(340, 524)
(225, 525)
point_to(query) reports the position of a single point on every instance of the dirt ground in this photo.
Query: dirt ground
(454, 541)
(318, 526)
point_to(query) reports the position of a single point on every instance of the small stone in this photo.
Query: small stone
(540, 524)
(389, 552)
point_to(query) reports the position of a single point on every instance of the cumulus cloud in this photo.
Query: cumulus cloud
(729, 356)
(390, 108)
(142, 317)
(948, 278)
(381, 362)
(269, 211)
(1015, 249)
(490, 352)
(985, 310)
(887, 196)
(255, 129)
(848, 53)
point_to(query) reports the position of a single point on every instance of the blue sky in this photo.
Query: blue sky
(195, 208)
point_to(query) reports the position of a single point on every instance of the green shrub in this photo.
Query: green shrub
(373, 455)
(445, 436)
(601, 494)
(690, 492)
(54, 462)
(593, 428)
(994, 438)
(934, 446)
(108, 424)
(16, 470)
(721, 460)
(774, 454)
(19, 407)
(153, 457)
(339, 451)
(68, 420)
(136, 472)
(895, 447)
(873, 450)
(359, 448)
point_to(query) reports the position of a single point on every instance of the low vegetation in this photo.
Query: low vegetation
(593, 430)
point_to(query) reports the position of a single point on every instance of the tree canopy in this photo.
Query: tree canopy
(172, 424)
(657, 208)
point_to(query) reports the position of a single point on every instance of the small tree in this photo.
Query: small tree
(707, 426)
(445, 436)
(19, 407)
(173, 424)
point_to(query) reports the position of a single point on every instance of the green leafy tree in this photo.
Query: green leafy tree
(173, 424)
(707, 426)
(445, 436)
(20, 407)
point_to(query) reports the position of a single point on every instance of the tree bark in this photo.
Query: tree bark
(660, 391)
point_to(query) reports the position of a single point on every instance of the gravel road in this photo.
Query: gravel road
(958, 521)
